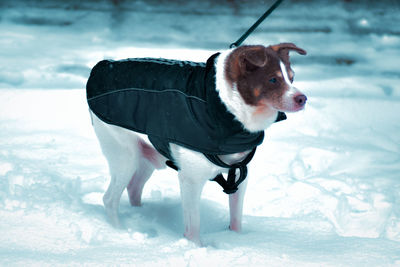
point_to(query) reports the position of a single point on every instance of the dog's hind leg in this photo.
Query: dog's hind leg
(121, 149)
(136, 185)
(111, 198)
(124, 163)
(150, 160)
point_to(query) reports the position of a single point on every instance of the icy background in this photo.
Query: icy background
(324, 188)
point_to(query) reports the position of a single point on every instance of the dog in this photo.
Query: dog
(239, 93)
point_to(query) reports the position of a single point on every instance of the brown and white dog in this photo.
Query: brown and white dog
(254, 82)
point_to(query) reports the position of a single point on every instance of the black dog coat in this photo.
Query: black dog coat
(171, 102)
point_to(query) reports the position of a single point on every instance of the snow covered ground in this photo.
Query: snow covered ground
(324, 188)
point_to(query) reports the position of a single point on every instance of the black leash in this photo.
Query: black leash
(255, 25)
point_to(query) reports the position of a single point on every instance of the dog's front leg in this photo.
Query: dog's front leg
(236, 207)
(191, 187)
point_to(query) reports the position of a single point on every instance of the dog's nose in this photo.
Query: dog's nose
(300, 100)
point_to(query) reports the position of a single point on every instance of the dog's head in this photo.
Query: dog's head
(263, 77)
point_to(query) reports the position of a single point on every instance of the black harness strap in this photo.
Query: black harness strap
(230, 185)
(172, 165)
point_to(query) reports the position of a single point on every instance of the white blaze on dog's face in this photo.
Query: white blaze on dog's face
(293, 99)
(263, 78)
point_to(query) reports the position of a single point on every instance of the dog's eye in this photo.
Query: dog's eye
(273, 80)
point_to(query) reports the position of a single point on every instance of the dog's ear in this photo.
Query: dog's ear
(252, 58)
(283, 50)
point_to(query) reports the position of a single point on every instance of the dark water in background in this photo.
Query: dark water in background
(50, 37)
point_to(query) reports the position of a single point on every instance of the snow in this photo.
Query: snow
(323, 188)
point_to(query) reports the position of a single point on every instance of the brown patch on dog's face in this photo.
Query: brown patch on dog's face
(264, 81)
(257, 73)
